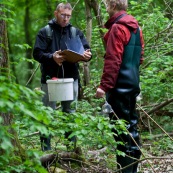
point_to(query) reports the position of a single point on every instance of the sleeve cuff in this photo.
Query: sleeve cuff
(51, 55)
(102, 88)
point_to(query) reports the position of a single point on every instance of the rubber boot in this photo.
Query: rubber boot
(45, 142)
(72, 140)
(137, 155)
(125, 161)
(66, 107)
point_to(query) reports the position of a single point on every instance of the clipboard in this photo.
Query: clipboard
(74, 51)
(72, 56)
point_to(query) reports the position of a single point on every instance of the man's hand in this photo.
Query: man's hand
(58, 58)
(87, 54)
(100, 93)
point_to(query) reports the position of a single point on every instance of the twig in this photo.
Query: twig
(160, 135)
(33, 134)
(141, 160)
(155, 122)
(32, 74)
(160, 106)
(163, 31)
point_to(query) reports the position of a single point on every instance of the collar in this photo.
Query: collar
(112, 19)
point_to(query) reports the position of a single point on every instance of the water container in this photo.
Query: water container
(60, 89)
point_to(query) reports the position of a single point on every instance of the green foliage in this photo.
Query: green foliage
(14, 101)
(159, 146)
(157, 81)
(30, 116)
(25, 106)
(156, 72)
(156, 28)
(93, 129)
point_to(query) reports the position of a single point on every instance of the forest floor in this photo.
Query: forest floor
(153, 164)
(154, 160)
(157, 157)
(162, 164)
(159, 153)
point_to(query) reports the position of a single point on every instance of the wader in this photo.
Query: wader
(122, 98)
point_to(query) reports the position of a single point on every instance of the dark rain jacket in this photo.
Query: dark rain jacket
(116, 39)
(44, 49)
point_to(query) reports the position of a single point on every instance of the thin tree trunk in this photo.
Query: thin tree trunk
(94, 4)
(27, 28)
(88, 36)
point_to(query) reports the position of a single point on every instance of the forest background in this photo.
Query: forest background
(22, 113)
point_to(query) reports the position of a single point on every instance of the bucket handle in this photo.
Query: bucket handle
(62, 72)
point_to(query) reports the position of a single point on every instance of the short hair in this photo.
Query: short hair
(120, 4)
(64, 6)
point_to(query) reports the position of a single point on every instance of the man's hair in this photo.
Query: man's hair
(64, 6)
(120, 4)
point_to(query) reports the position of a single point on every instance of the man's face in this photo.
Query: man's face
(63, 16)
(110, 6)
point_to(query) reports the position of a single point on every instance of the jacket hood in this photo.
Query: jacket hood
(126, 20)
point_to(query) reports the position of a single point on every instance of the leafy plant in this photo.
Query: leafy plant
(25, 107)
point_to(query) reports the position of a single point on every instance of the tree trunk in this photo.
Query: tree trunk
(4, 63)
(94, 4)
(88, 36)
(27, 28)
(4, 70)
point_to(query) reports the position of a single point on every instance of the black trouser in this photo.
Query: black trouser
(124, 106)
(45, 142)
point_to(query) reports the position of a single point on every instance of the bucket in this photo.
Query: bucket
(60, 89)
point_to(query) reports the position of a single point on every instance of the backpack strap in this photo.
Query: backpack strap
(119, 17)
(73, 31)
(49, 32)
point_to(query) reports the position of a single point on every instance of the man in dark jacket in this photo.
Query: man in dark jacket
(48, 52)
(120, 78)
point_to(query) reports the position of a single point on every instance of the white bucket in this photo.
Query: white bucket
(60, 89)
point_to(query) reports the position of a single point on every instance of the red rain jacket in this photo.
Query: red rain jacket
(116, 38)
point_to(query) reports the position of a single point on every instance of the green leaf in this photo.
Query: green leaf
(100, 126)
(6, 144)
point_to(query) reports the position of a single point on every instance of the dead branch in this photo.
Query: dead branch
(51, 158)
(96, 153)
(47, 159)
(160, 135)
(165, 103)
(164, 113)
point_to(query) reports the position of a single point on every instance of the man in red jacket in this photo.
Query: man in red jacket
(120, 78)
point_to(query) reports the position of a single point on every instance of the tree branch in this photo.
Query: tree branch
(160, 106)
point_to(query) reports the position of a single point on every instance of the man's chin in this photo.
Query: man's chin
(64, 24)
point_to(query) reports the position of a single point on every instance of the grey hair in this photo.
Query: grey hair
(120, 4)
(64, 6)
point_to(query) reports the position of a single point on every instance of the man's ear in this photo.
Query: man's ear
(55, 12)
(113, 6)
